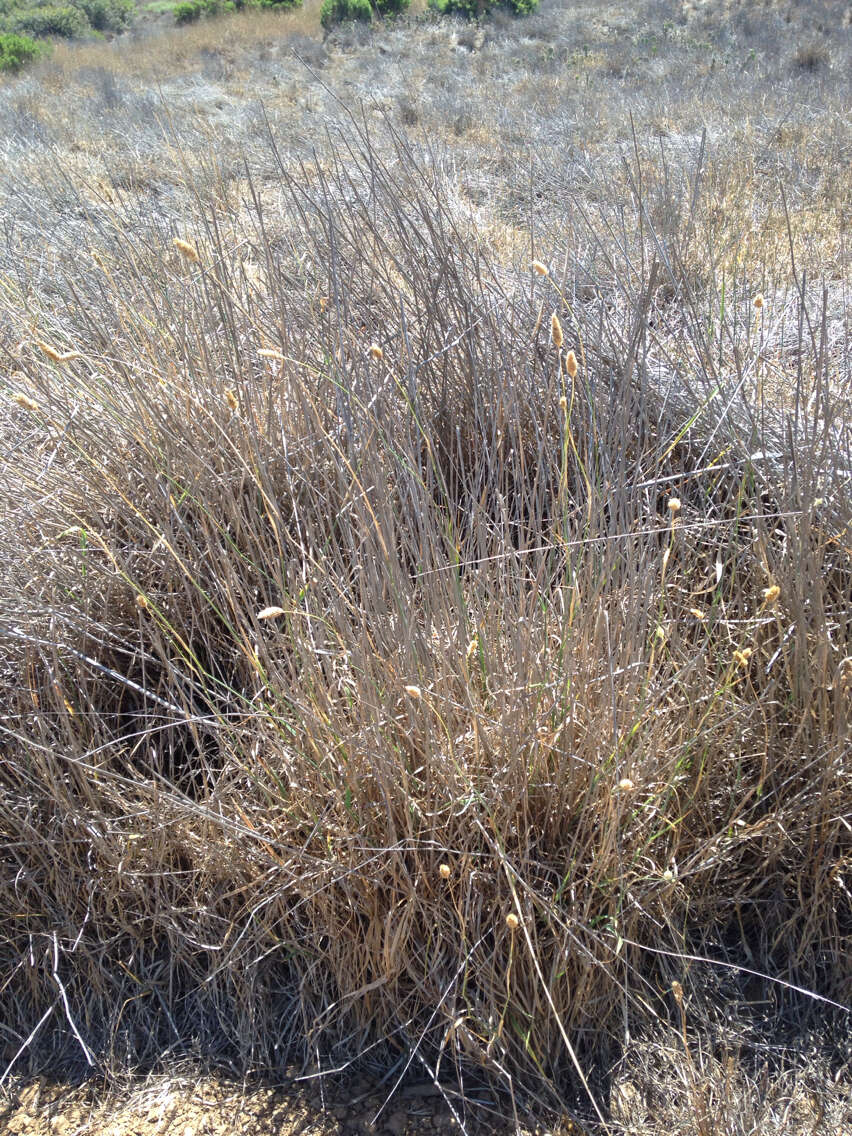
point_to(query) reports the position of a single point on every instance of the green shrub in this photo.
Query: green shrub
(16, 50)
(192, 10)
(341, 11)
(77, 18)
(188, 12)
(474, 9)
(107, 15)
(391, 7)
(52, 21)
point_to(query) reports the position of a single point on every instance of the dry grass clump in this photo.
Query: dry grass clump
(412, 655)
(161, 52)
(661, 1086)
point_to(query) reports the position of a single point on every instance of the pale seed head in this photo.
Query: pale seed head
(413, 691)
(625, 785)
(271, 613)
(376, 352)
(512, 921)
(538, 268)
(231, 398)
(758, 301)
(668, 875)
(25, 402)
(698, 614)
(563, 404)
(556, 331)
(186, 250)
(142, 602)
(57, 356)
(771, 594)
(677, 990)
(571, 364)
(742, 657)
(674, 505)
(50, 352)
(444, 871)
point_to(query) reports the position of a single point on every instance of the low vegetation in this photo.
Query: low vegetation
(78, 18)
(341, 11)
(425, 635)
(191, 10)
(16, 50)
(476, 9)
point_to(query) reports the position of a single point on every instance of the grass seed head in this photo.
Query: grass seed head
(49, 351)
(742, 657)
(231, 398)
(698, 614)
(556, 331)
(25, 402)
(376, 352)
(57, 356)
(413, 692)
(538, 268)
(444, 871)
(674, 505)
(625, 785)
(186, 250)
(571, 364)
(771, 594)
(270, 612)
(758, 301)
(512, 921)
(142, 602)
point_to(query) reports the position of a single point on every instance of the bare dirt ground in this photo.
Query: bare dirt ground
(210, 1106)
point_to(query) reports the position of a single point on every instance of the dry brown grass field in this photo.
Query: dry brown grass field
(426, 575)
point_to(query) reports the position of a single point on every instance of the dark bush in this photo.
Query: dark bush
(188, 12)
(107, 15)
(192, 10)
(391, 7)
(63, 21)
(474, 9)
(811, 57)
(342, 11)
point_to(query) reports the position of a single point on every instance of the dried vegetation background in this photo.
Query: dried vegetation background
(425, 603)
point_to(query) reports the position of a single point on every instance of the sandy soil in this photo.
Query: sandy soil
(214, 1107)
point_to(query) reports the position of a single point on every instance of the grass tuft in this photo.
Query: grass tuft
(380, 683)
